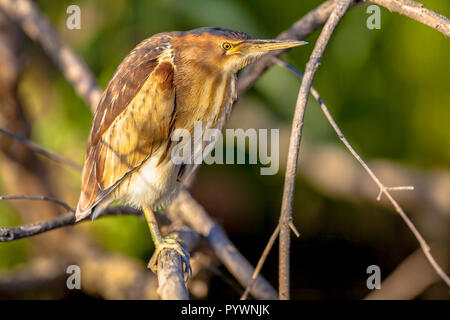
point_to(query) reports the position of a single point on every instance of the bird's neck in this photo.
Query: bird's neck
(206, 97)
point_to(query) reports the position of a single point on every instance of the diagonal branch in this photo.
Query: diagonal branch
(194, 215)
(416, 11)
(44, 152)
(38, 28)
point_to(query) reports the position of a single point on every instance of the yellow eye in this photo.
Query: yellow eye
(227, 46)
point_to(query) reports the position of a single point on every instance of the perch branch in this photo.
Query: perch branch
(36, 26)
(398, 285)
(294, 143)
(193, 214)
(172, 285)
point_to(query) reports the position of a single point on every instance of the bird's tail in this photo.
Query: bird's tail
(93, 211)
(80, 214)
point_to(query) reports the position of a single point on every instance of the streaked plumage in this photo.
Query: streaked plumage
(167, 82)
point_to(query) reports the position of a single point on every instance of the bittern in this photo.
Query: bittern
(167, 82)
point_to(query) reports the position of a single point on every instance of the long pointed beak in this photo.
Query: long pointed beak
(262, 46)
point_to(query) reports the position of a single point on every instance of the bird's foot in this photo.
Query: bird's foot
(172, 242)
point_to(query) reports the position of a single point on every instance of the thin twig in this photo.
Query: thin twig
(265, 253)
(383, 189)
(294, 143)
(38, 149)
(28, 230)
(261, 261)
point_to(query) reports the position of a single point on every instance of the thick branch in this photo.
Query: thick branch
(196, 217)
(38, 28)
(172, 285)
(416, 11)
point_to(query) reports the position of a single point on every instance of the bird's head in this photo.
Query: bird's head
(225, 49)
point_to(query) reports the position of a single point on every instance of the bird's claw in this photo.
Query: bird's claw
(172, 242)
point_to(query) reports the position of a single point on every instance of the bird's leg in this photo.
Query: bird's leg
(161, 243)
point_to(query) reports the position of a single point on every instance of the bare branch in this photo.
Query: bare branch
(383, 189)
(38, 149)
(312, 21)
(171, 280)
(193, 214)
(416, 11)
(261, 261)
(37, 27)
(294, 143)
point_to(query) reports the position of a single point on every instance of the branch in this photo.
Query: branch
(38, 149)
(416, 11)
(68, 219)
(294, 143)
(38, 28)
(398, 284)
(382, 188)
(193, 214)
(172, 285)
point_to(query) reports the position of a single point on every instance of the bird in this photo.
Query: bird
(167, 82)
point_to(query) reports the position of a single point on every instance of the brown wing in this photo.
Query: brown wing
(134, 115)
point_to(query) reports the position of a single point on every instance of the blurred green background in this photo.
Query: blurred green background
(388, 89)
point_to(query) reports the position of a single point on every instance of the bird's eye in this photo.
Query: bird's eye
(226, 46)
